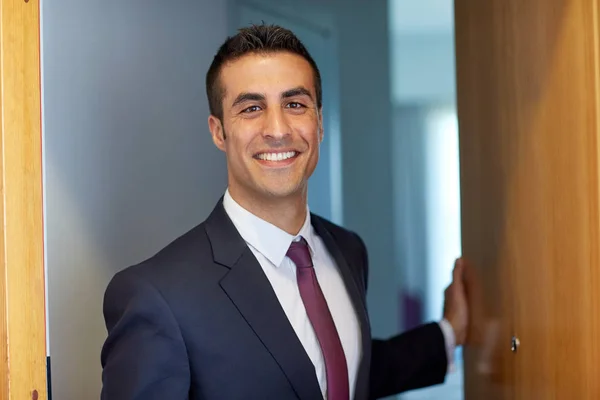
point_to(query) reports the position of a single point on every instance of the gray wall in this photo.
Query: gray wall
(129, 163)
(366, 126)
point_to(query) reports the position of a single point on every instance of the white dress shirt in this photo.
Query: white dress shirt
(270, 244)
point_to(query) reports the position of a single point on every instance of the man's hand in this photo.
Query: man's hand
(456, 309)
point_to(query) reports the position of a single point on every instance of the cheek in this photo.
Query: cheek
(310, 130)
(313, 139)
(239, 147)
(314, 143)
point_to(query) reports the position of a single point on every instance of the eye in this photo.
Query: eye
(251, 109)
(295, 105)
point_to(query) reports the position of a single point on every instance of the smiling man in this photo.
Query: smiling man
(264, 300)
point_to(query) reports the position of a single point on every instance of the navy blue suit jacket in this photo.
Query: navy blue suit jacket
(199, 320)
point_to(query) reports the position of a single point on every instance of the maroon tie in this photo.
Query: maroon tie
(322, 322)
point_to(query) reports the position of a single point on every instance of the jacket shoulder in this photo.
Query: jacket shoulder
(341, 235)
(182, 255)
(350, 242)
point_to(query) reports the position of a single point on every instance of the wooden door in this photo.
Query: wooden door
(22, 297)
(527, 83)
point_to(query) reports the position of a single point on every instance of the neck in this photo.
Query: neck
(288, 214)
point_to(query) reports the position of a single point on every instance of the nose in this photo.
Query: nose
(277, 125)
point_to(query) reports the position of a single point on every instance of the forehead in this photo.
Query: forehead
(266, 73)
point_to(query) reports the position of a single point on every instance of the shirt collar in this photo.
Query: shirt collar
(269, 240)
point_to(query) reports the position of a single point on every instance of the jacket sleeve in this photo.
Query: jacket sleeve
(144, 356)
(411, 360)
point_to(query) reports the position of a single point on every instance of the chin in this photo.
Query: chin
(282, 194)
(283, 191)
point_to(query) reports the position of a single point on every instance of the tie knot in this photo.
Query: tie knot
(300, 254)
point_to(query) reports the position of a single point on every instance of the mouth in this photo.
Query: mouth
(277, 159)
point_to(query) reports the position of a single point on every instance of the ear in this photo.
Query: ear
(217, 132)
(321, 131)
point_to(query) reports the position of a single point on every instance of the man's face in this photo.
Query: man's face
(272, 128)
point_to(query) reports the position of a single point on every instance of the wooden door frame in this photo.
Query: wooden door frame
(22, 281)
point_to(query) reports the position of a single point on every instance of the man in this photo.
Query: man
(264, 300)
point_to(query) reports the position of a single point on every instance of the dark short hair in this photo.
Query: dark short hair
(255, 39)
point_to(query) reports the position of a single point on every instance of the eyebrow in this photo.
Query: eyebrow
(298, 91)
(242, 97)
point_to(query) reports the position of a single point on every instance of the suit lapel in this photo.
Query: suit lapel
(251, 292)
(358, 297)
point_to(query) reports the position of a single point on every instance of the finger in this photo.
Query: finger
(459, 262)
(458, 272)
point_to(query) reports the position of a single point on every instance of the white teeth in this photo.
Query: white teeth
(276, 156)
